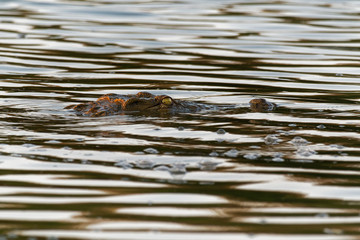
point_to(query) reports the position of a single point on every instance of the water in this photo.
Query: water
(288, 174)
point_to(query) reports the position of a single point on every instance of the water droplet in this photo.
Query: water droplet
(28, 145)
(123, 164)
(336, 146)
(221, 131)
(145, 164)
(208, 165)
(299, 141)
(271, 139)
(232, 153)
(305, 151)
(252, 156)
(178, 169)
(181, 128)
(151, 150)
(22, 35)
(53, 141)
(321, 126)
(162, 168)
(278, 157)
(214, 154)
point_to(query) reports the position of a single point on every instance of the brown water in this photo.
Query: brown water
(289, 174)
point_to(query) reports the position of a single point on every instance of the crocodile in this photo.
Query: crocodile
(145, 102)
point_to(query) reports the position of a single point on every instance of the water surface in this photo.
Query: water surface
(229, 174)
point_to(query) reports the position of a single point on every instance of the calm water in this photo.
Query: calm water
(289, 174)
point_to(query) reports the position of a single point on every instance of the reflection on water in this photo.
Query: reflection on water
(223, 174)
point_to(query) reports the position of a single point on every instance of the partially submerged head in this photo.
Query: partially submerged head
(261, 105)
(145, 102)
(113, 104)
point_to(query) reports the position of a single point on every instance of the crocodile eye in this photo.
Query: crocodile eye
(167, 101)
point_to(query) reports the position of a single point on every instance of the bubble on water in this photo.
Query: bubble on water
(221, 131)
(263, 221)
(53, 141)
(22, 35)
(151, 151)
(123, 164)
(305, 151)
(252, 156)
(28, 145)
(66, 148)
(208, 165)
(271, 139)
(337, 146)
(299, 141)
(145, 164)
(278, 157)
(162, 168)
(339, 74)
(286, 133)
(232, 153)
(321, 126)
(181, 128)
(214, 154)
(79, 139)
(255, 147)
(303, 161)
(178, 169)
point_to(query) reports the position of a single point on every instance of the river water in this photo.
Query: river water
(288, 174)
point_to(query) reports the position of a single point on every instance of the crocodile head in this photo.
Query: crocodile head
(113, 104)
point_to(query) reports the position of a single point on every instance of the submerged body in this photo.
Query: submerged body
(144, 102)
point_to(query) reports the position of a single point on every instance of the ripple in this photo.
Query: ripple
(263, 174)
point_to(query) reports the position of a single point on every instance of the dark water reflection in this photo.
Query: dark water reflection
(230, 174)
